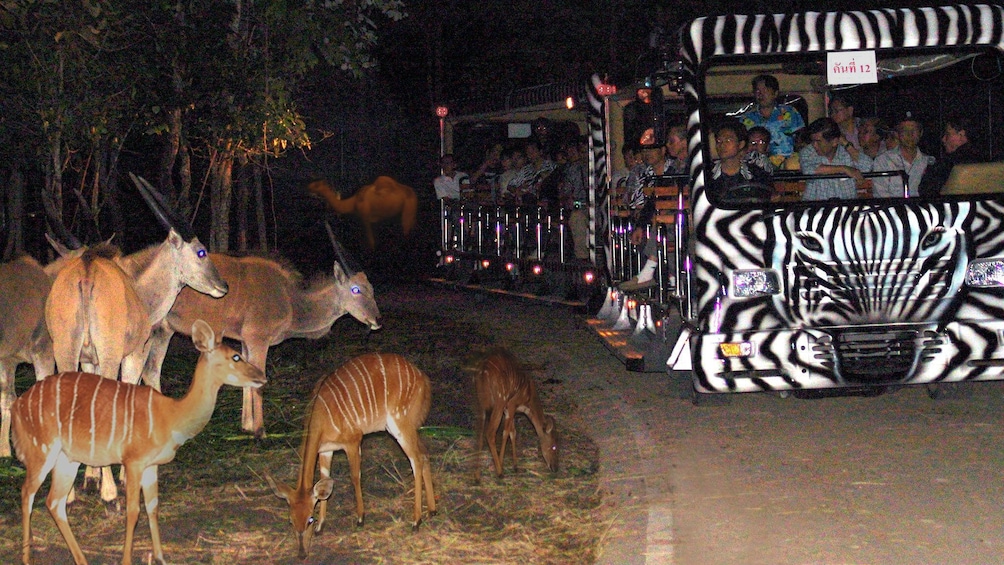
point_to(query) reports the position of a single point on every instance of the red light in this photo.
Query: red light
(604, 89)
(510, 267)
(588, 276)
(632, 304)
(537, 269)
(485, 264)
(442, 111)
(449, 259)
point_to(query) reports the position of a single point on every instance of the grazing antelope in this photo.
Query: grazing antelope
(502, 390)
(370, 393)
(73, 418)
(384, 199)
(268, 304)
(102, 306)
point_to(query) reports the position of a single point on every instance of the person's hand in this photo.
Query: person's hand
(859, 179)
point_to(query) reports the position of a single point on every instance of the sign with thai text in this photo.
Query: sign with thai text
(851, 67)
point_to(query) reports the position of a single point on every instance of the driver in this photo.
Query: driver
(732, 176)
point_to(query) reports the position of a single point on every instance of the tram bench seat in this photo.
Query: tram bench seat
(666, 203)
(792, 191)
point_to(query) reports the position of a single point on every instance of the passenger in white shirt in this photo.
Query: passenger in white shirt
(906, 157)
(452, 182)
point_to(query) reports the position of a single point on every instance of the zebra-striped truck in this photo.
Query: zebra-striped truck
(791, 288)
(893, 275)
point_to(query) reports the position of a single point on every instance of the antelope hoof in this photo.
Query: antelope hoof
(359, 522)
(414, 527)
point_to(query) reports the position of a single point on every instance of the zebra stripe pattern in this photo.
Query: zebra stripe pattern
(599, 205)
(861, 268)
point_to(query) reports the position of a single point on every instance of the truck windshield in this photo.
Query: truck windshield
(929, 126)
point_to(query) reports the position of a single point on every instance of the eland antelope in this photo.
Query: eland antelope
(268, 304)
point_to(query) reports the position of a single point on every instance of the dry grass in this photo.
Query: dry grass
(216, 507)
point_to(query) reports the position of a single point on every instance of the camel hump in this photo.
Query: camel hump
(385, 185)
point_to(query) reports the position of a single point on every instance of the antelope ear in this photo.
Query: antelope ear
(63, 250)
(548, 424)
(339, 273)
(175, 238)
(323, 488)
(278, 489)
(203, 336)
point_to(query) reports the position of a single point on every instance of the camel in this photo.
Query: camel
(384, 199)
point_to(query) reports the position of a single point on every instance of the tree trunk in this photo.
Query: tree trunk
(259, 208)
(243, 196)
(221, 187)
(14, 227)
(185, 182)
(172, 145)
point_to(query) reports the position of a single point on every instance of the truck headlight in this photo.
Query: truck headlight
(989, 273)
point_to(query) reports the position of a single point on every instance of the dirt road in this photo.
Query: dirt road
(894, 479)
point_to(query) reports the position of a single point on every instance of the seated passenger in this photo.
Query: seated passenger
(907, 157)
(733, 179)
(958, 149)
(758, 150)
(514, 170)
(871, 135)
(452, 184)
(842, 112)
(825, 155)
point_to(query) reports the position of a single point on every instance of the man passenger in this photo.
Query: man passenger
(826, 155)
(907, 157)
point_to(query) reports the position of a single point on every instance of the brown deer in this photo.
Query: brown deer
(24, 285)
(266, 305)
(370, 393)
(503, 389)
(384, 199)
(73, 418)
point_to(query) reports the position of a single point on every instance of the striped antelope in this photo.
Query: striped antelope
(103, 306)
(73, 418)
(502, 390)
(370, 393)
(24, 285)
(267, 304)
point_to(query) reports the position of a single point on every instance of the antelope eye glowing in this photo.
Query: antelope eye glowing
(355, 289)
(236, 358)
(310, 520)
(201, 253)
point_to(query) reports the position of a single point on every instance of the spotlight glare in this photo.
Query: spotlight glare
(537, 269)
(589, 277)
(485, 264)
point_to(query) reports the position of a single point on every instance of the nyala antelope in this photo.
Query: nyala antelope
(370, 393)
(503, 389)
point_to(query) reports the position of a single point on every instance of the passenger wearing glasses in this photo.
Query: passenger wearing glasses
(757, 152)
